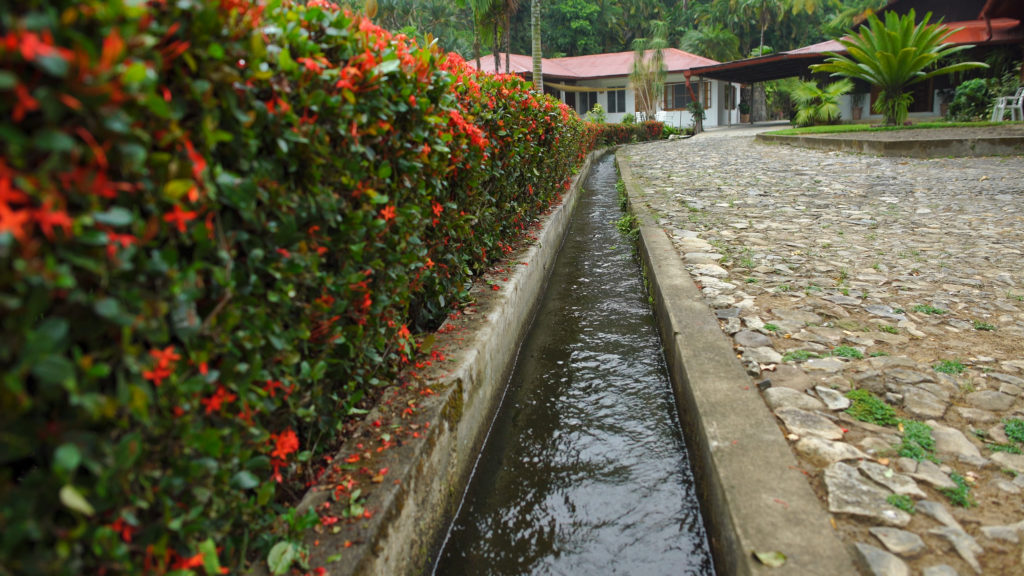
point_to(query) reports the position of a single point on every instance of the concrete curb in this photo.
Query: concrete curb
(965, 147)
(753, 496)
(436, 446)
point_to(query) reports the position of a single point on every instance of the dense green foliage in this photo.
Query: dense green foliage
(718, 29)
(221, 226)
(970, 100)
(894, 55)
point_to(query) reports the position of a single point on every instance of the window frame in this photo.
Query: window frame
(618, 96)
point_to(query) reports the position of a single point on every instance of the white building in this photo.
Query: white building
(582, 81)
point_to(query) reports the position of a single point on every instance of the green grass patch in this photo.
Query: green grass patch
(771, 327)
(889, 329)
(917, 441)
(847, 352)
(984, 326)
(926, 309)
(867, 407)
(961, 495)
(843, 128)
(1014, 429)
(903, 502)
(629, 226)
(950, 367)
(799, 356)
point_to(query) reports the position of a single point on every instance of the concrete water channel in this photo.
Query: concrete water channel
(585, 469)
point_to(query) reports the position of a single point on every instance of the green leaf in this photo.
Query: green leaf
(54, 369)
(244, 480)
(281, 557)
(285, 62)
(53, 65)
(66, 458)
(48, 337)
(265, 494)
(135, 73)
(210, 561)
(73, 499)
(114, 216)
(108, 308)
(771, 559)
(7, 80)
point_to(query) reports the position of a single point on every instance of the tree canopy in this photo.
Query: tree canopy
(718, 29)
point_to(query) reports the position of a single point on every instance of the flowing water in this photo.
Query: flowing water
(585, 470)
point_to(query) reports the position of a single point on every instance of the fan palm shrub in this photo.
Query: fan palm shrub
(895, 55)
(816, 105)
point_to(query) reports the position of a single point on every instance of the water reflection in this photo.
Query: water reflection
(585, 470)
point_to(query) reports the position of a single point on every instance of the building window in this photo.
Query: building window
(616, 101)
(677, 96)
(730, 97)
(707, 94)
(585, 102)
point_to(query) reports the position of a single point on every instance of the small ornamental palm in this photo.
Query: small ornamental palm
(819, 105)
(894, 56)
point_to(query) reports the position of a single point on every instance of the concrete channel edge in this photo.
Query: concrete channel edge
(964, 147)
(753, 496)
(411, 507)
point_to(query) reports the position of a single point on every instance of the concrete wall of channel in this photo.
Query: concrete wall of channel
(753, 497)
(427, 472)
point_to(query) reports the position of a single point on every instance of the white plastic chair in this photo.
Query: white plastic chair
(1015, 104)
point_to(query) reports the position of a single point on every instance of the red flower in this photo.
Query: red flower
(217, 399)
(125, 529)
(157, 375)
(47, 218)
(165, 358)
(403, 332)
(179, 217)
(284, 444)
(271, 387)
(388, 213)
(25, 104)
(114, 239)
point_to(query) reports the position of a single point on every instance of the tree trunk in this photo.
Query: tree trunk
(538, 72)
(496, 48)
(758, 104)
(508, 39)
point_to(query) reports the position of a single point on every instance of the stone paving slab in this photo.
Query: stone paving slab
(901, 277)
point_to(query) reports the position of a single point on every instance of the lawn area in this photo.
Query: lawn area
(839, 128)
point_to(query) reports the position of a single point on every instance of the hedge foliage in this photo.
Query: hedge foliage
(612, 134)
(221, 226)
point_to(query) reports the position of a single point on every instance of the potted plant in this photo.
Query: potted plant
(856, 105)
(744, 112)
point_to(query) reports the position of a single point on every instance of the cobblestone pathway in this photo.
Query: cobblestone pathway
(901, 278)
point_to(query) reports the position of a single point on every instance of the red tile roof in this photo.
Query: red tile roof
(617, 64)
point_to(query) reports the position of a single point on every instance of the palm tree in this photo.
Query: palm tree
(538, 72)
(648, 74)
(819, 105)
(714, 41)
(508, 9)
(894, 56)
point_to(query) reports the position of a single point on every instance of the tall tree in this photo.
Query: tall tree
(509, 8)
(538, 71)
(714, 41)
(648, 74)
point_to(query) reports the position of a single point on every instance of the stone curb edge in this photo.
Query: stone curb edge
(752, 494)
(412, 506)
(965, 147)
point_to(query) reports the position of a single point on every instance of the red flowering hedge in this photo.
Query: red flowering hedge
(220, 226)
(611, 134)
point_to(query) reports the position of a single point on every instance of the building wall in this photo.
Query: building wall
(714, 115)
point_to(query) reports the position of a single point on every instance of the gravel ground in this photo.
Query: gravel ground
(902, 278)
